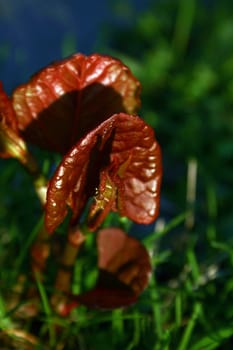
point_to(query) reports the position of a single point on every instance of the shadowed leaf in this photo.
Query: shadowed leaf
(124, 272)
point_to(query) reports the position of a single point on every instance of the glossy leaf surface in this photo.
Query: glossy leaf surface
(11, 144)
(119, 164)
(67, 99)
(124, 272)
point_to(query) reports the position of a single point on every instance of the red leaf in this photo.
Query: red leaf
(65, 100)
(136, 171)
(121, 160)
(11, 144)
(7, 113)
(124, 272)
(75, 179)
(125, 258)
(105, 298)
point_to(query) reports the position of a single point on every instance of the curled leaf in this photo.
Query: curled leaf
(124, 272)
(119, 164)
(11, 144)
(67, 99)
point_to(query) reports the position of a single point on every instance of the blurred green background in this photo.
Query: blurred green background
(182, 52)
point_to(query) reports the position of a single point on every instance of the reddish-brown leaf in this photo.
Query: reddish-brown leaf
(11, 144)
(65, 100)
(125, 258)
(124, 272)
(103, 298)
(119, 163)
(7, 113)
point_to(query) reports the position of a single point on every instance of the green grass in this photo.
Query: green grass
(187, 305)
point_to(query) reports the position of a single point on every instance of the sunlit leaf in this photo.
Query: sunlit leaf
(67, 99)
(11, 144)
(119, 164)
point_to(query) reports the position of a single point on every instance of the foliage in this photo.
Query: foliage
(78, 107)
(181, 51)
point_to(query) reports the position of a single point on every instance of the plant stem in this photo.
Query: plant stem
(191, 193)
(190, 326)
(40, 249)
(65, 271)
(47, 310)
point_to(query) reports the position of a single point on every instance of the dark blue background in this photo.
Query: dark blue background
(35, 32)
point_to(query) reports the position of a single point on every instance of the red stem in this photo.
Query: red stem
(65, 271)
